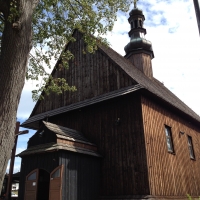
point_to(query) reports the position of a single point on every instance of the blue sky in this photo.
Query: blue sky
(172, 28)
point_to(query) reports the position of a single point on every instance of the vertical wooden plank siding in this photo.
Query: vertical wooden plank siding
(92, 74)
(48, 162)
(170, 174)
(36, 139)
(81, 176)
(143, 62)
(124, 166)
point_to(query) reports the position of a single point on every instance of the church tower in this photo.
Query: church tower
(139, 50)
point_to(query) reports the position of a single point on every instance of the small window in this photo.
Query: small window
(136, 23)
(132, 25)
(168, 133)
(32, 177)
(56, 174)
(140, 22)
(190, 145)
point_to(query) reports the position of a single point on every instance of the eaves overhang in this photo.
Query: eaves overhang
(33, 122)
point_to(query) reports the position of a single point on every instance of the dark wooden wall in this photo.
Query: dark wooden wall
(81, 173)
(92, 74)
(124, 166)
(47, 137)
(46, 161)
(170, 174)
(143, 62)
(81, 176)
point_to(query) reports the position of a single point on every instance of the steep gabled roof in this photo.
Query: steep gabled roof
(152, 85)
(143, 82)
(93, 74)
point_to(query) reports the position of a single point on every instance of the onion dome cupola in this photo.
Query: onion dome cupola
(139, 50)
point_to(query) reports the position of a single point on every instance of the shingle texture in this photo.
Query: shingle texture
(152, 85)
(67, 132)
(62, 133)
(49, 147)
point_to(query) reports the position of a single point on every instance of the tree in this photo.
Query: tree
(44, 27)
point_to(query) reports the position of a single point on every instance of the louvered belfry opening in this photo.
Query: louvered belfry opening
(139, 50)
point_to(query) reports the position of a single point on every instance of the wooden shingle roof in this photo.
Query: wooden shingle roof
(143, 82)
(66, 139)
(68, 133)
(49, 147)
(152, 85)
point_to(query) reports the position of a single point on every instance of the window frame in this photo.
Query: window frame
(190, 147)
(168, 135)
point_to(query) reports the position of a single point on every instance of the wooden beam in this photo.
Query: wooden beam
(12, 160)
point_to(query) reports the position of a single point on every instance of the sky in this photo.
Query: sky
(172, 29)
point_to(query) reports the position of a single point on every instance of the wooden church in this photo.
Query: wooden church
(122, 135)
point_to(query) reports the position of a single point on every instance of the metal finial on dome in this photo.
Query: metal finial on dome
(135, 3)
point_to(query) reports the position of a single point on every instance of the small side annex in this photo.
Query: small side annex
(59, 163)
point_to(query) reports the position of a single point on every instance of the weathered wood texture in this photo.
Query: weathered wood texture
(143, 62)
(170, 174)
(92, 74)
(116, 128)
(38, 139)
(46, 161)
(81, 176)
(15, 48)
(77, 144)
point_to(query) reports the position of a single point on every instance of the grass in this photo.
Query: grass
(190, 198)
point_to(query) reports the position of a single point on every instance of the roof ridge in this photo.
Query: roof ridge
(148, 83)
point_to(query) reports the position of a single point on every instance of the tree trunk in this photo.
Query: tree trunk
(16, 45)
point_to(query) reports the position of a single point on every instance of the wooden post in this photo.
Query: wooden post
(197, 10)
(12, 160)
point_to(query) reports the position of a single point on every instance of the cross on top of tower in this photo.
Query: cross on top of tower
(135, 3)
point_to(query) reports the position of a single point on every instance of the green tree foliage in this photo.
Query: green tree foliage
(53, 24)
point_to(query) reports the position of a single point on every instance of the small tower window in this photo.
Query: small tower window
(132, 26)
(140, 22)
(135, 22)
